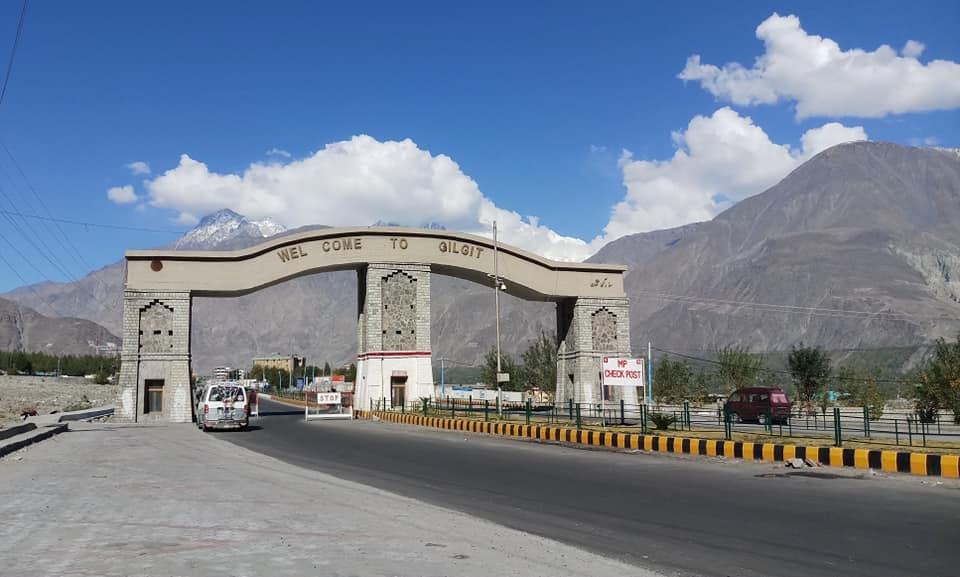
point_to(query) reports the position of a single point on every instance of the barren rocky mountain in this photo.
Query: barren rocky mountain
(24, 329)
(869, 229)
(857, 248)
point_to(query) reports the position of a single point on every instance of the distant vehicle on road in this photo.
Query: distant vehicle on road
(223, 406)
(759, 404)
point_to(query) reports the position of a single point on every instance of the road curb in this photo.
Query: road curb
(928, 464)
(18, 442)
(87, 414)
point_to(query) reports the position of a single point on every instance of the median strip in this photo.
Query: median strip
(887, 461)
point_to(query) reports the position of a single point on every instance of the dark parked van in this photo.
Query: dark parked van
(760, 404)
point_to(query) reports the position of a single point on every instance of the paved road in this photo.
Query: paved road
(682, 515)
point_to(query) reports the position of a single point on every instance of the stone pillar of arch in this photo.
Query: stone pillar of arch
(393, 332)
(589, 329)
(155, 358)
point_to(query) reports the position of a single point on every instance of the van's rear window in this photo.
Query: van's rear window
(225, 394)
(778, 398)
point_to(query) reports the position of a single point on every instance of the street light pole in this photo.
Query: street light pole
(496, 300)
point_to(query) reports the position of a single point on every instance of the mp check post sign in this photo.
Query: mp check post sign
(623, 372)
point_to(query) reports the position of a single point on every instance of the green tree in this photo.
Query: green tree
(738, 368)
(276, 377)
(860, 387)
(540, 364)
(671, 380)
(939, 386)
(349, 372)
(488, 371)
(326, 369)
(700, 385)
(810, 369)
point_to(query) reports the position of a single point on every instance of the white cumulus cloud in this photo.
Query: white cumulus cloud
(356, 182)
(139, 167)
(122, 194)
(720, 160)
(278, 152)
(825, 80)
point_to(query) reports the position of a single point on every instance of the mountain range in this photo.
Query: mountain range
(859, 247)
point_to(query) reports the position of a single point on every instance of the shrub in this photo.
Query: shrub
(663, 420)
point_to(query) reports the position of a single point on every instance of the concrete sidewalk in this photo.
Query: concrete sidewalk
(106, 499)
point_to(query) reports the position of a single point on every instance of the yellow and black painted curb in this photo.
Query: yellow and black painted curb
(888, 461)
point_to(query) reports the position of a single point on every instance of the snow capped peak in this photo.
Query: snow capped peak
(268, 227)
(216, 229)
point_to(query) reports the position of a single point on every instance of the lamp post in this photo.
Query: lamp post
(497, 287)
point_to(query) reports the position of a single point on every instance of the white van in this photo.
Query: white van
(223, 406)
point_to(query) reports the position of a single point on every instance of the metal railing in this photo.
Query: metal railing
(835, 425)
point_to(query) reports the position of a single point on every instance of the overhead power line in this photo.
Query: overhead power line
(13, 52)
(94, 224)
(795, 309)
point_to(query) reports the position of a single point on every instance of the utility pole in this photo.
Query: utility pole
(496, 299)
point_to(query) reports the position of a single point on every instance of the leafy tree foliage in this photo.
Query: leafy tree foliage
(860, 387)
(488, 371)
(671, 380)
(349, 372)
(326, 369)
(276, 377)
(810, 369)
(738, 368)
(540, 364)
(939, 386)
(14, 362)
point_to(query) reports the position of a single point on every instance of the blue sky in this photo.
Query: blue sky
(567, 122)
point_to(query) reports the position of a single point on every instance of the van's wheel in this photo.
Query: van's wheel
(762, 419)
(735, 418)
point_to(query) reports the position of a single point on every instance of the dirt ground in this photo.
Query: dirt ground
(48, 394)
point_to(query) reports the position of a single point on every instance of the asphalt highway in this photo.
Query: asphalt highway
(678, 515)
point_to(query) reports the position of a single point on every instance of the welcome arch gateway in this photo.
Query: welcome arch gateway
(393, 268)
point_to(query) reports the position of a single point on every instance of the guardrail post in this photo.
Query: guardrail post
(570, 408)
(837, 430)
(425, 402)
(727, 424)
(866, 421)
(486, 410)
(471, 406)
(643, 419)
(579, 420)
(623, 421)
(453, 407)
(896, 430)
(686, 413)
(529, 410)
(923, 432)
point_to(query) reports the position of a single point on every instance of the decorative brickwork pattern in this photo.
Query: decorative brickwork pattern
(604, 330)
(156, 328)
(399, 302)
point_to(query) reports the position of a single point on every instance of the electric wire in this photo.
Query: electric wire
(796, 309)
(13, 51)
